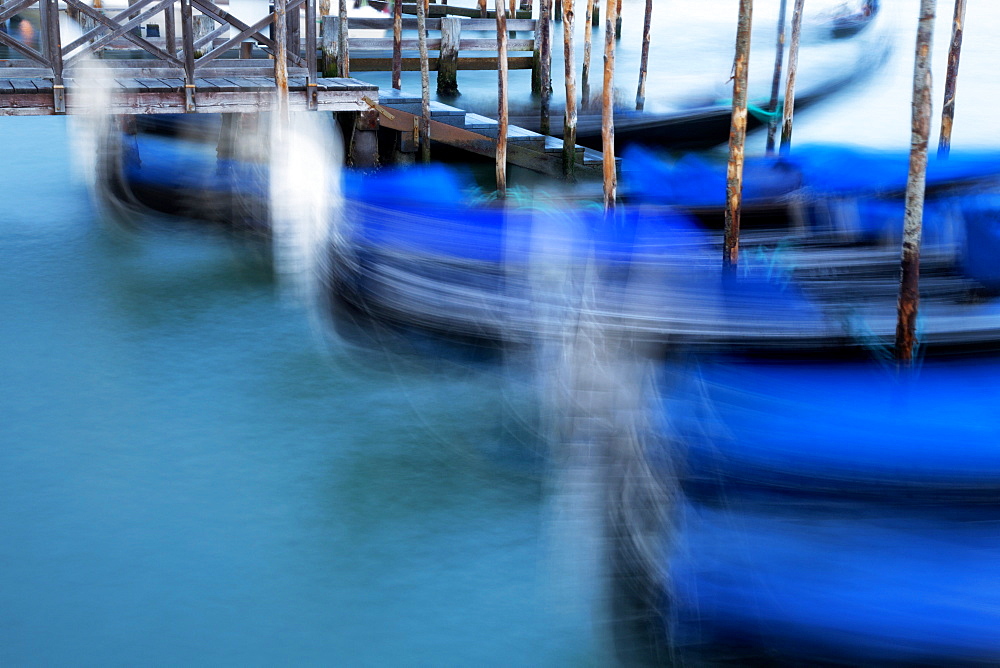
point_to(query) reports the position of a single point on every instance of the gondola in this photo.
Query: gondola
(412, 252)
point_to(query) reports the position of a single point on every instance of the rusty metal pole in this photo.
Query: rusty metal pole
(607, 107)
(640, 96)
(425, 85)
(569, 117)
(793, 66)
(737, 138)
(951, 79)
(920, 130)
(544, 36)
(779, 55)
(397, 44)
(501, 100)
(588, 31)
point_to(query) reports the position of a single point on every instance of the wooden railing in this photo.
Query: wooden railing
(368, 54)
(196, 51)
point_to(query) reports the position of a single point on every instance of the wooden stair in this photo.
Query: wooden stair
(477, 134)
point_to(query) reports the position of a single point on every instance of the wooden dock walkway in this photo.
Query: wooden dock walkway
(166, 95)
(477, 134)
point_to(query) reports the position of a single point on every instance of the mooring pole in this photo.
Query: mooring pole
(779, 55)
(737, 138)
(397, 44)
(951, 80)
(343, 52)
(425, 85)
(640, 96)
(482, 9)
(501, 100)
(920, 130)
(280, 61)
(618, 20)
(588, 29)
(544, 36)
(793, 66)
(569, 118)
(607, 107)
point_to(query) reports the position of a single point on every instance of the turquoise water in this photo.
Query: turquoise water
(188, 475)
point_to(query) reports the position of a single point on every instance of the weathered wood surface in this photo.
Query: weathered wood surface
(477, 134)
(437, 10)
(737, 140)
(412, 64)
(213, 94)
(916, 182)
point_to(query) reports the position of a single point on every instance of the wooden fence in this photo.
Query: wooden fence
(199, 50)
(368, 54)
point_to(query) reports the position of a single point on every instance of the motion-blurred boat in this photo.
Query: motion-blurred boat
(411, 252)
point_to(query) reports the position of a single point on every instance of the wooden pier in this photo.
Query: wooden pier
(210, 61)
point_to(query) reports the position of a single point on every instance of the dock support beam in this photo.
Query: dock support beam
(329, 39)
(447, 72)
(364, 140)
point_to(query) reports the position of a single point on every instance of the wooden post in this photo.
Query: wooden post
(618, 20)
(51, 17)
(451, 36)
(203, 25)
(793, 68)
(951, 80)
(170, 30)
(364, 140)
(312, 91)
(501, 101)
(640, 96)
(324, 7)
(293, 22)
(779, 55)
(607, 107)
(187, 39)
(920, 130)
(482, 9)
(588, 31)
(569, 118)
(281, 61)
(397, 44)
(737, 138)
(557, 14)
(544, 37)
(425, 86)
(343, 55)
(329, 44)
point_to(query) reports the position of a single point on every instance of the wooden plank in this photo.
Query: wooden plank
(173, 83)
(413, 64)
(143, 101)
(24, 85)
(473, 44)
(153, 84)
(6, 86)
(205, 86)
(484, 25)
(43, 85)
(224, 85)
